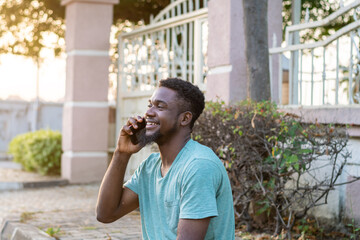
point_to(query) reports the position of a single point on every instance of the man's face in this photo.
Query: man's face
(162, 116)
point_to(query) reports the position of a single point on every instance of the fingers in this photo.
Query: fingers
(132, 122)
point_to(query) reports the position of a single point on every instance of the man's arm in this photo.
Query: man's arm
(114, 200)
(192, 229)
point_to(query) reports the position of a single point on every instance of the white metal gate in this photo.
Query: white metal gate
(174, 44)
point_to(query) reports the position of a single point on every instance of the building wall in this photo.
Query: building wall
(344, 201)
(17, 117)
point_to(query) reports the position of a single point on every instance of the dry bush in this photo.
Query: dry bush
(275, 162)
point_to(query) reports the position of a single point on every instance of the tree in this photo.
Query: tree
(25, 23)
(131, 10)
(136, 10)
(257, 49)
(29, 26)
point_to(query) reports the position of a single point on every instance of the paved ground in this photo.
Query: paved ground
(17, 175)
(48, 199)
(68, 211)
(64, 212)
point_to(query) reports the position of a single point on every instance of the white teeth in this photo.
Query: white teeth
(151, 123)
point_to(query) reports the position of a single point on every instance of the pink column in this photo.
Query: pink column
(85, 116)
(227, 76)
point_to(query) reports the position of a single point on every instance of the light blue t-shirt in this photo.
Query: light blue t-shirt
(195, 187)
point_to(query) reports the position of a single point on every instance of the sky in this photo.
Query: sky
(18, 78)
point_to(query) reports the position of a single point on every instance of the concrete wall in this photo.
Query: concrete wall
(344, 201)
(16, 117)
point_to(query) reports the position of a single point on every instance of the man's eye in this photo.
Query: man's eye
(149, 106)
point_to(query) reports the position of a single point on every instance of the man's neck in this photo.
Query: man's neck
(170, 149)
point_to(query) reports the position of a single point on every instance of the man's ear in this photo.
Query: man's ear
(185, 118)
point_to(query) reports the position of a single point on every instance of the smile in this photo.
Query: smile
(151, 124)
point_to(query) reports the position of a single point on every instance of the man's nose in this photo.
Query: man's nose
(150, 112)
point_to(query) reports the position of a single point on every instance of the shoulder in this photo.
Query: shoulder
(205, 168)
(200, 151)
(202, 163)
(201, 156)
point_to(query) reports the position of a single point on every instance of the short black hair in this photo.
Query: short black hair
(194, 100)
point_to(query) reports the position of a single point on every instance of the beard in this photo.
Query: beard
(148, 139)
(156, 137)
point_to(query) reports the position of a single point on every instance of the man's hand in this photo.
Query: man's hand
(114, 200)
(192, 229)
(124, 144)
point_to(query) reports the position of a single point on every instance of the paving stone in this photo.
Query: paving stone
(70, 208)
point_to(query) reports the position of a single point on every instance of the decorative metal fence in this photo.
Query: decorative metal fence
(173, 44)
(325, 72)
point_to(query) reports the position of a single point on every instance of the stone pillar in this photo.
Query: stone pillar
(227, 77)
(85, 115)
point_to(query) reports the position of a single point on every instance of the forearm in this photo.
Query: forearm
(111, 188)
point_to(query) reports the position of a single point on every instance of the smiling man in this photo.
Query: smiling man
(183, 192)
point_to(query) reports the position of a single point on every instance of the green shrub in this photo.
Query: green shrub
(38, 151)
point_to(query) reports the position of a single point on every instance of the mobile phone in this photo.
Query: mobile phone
(137, 132)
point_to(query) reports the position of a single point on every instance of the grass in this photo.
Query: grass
(26, 216)
(89, 228)
(53, 232)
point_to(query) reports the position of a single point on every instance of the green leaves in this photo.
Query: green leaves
(316, 11)
(38, 151)
(26, 24)
(265, 207)
(25, 27)
(53, 232)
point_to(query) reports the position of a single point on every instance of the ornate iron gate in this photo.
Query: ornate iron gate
(174, 44)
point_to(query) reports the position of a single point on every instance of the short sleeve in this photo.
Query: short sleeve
(133, 182)
(199, 187)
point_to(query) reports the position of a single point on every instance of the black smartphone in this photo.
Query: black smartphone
(137, 132)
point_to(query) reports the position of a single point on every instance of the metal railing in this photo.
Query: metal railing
(336, 57)
(173, 44)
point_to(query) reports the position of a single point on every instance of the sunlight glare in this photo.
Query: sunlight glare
(35, 4)
(18, 78)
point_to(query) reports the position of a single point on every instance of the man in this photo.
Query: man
(183, 192)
